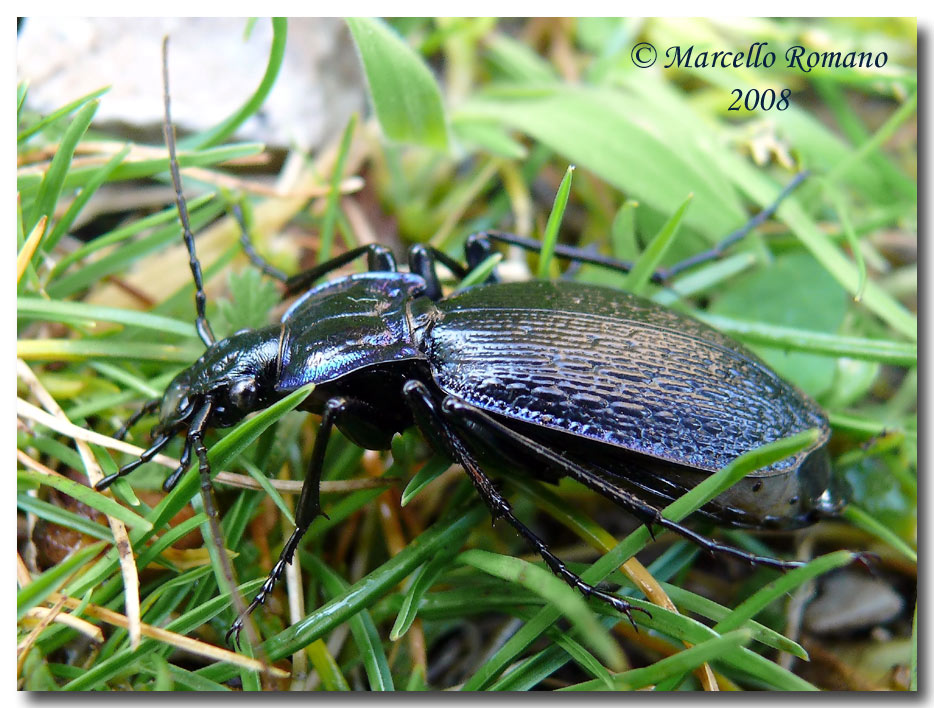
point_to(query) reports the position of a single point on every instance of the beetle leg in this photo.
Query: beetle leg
(247, 245)
(144, 457)
(477, 248)
(309, 506)
(147, 408)
(433, 424)
(423, 261)
(592, 479)
(378, 259)
(740, 233)
(662, 275)
(169, 484)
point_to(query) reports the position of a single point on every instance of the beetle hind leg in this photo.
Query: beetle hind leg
(434, 423)
(502, 509)
(592, 479)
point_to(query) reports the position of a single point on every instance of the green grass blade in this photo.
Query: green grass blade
(554, 224)
(870, 525)
(54, 180)
(651, 259)
(334, 195)
(430, 471)
(95, 181)
(423, 579)
(679, 663)
(86, 495)
(264, 482)
(229, 126)
(67, 311)
(782, 585)
(48, 582)
(62, 517)
(542, 582)
(404, 92)
(65, 110)
(794, 339)
(84, 349)
(364, 632)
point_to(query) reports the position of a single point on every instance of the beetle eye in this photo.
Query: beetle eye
(243, 394)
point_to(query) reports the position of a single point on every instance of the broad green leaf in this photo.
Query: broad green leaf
(405, 94)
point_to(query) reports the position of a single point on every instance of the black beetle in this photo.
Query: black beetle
(631, 399)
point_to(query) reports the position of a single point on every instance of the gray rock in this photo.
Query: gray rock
(213, 70)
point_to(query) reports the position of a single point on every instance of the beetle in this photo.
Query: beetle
(554, 378)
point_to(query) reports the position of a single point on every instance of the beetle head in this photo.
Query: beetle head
(234, 375)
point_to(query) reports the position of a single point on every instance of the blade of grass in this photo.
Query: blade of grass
(83, 349)
(52, 183)
(332, 205)
(679, 663)
(429, 472)
(649, 261)
(62, 517)
(545, 583)
(423, 579)
(48, 582)
(65, 110)
(404, 93)
(67, 311)
(228, 127)
(363, 630)
(83, 197)
(677, 510)
(85, 495)
(870, 525)
(554, 225)
(794, 339)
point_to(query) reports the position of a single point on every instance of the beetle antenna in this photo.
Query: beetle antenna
(204, 328)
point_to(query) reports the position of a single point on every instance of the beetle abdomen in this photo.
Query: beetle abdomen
(612, 367)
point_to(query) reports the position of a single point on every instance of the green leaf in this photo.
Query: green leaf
(405, 95)
(84, 196)
(65, 110)
(672, 665)
(424, 578)
(603, 131)
(252, 297)
(62, 517)
(80, 312)
(332, 206)
(229, 126)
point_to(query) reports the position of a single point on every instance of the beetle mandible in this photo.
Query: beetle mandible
(631, 399)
